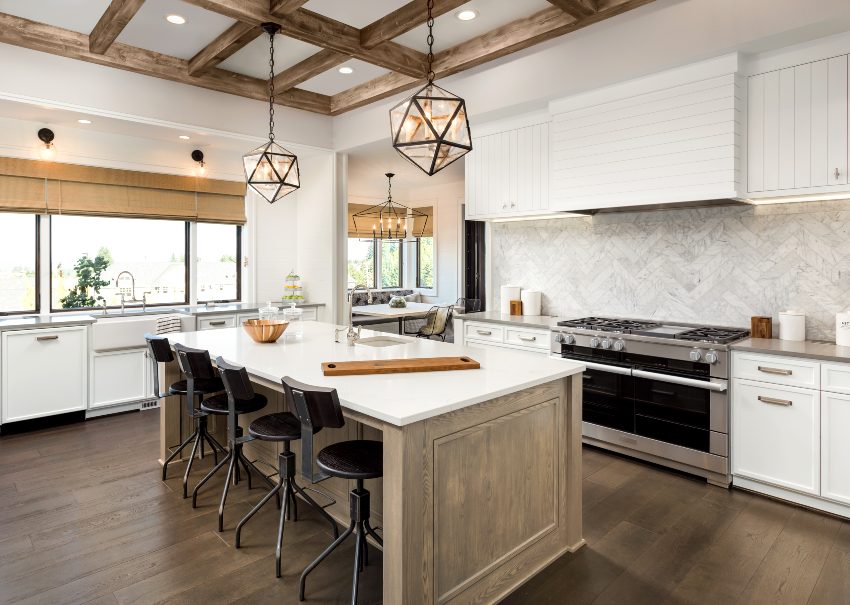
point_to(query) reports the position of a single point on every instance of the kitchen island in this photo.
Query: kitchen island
(482, 468)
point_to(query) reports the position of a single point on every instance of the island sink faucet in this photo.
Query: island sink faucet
(352, 335)
(133, 298)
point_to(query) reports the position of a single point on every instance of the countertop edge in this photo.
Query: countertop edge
(806, 349)
(542, 322)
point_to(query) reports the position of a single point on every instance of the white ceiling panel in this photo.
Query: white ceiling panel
(357, 13)
(332, 82)
(449, 30)
(149, 29)
(253, 60)
(77, 15)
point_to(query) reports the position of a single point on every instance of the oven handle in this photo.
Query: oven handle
(597, 366)
(719, 387)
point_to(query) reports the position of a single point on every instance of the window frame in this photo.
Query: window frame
(238, 268)
(37, 308)
(419, 285)
(187, 281)
(375, 264)
(380, 262)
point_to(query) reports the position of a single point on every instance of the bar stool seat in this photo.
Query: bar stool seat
(203, 386)
(361, 459)
(217, 404)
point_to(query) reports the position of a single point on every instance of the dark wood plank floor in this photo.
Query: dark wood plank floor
(84, 518)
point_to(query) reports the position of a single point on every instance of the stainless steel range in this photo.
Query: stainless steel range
(653, 390)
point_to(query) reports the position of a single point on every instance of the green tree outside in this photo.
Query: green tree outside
(89, 282)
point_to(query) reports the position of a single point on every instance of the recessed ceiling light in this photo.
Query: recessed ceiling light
(466, 14)
(84, 121)
(346, 70)
(176, 19)
(185, 137)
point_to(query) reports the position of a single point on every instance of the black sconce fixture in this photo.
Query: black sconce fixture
(198, 156)
(46, 136)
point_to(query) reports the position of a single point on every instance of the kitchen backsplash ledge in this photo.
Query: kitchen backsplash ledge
(708, 265)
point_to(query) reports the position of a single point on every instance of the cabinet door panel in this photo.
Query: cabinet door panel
(30, 355)
(755, 133)
(837, 121)
(776, 435)
(835, 443)
(786, 177)
(771, 131)
(119, 377)
(820, 124)
(803, 126)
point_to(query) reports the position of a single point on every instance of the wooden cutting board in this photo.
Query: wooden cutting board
(398, 366)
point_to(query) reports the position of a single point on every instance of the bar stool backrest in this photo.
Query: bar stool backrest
(238, 387)
(194, 363)
(316, 408)
(160, 352)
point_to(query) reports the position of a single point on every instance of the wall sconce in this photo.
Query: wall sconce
(198, 156)
(46, 136)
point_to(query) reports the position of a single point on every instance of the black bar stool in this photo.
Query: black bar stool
(282, 427)
(203, 382)
(359, 460)
(239, 398)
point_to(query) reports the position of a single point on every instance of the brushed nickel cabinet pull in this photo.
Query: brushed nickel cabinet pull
(484, 332)
(837, 174)
(779, 371)
(217, 323)
(528, 338)
(774, 401)
(43, 338)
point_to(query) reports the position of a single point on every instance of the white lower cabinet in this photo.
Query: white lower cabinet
(835, 443)
(499, 336)
(217, 321)
(44, 372)
(120, 377)
(776, 435)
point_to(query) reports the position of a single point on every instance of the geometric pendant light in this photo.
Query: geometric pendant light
(271, 170)
(391, 221)
(431, 129)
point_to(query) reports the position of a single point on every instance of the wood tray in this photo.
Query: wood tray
(398, 366)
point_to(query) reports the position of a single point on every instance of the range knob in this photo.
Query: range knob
(594, 342)
(695, 355)
(619, 345)
(711, 357)
(565, 339)
(606, 343)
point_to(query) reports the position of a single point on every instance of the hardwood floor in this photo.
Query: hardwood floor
(84, 518)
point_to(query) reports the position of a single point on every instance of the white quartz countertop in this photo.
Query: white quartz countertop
(398, 399)
(545, 322)
(27, 322)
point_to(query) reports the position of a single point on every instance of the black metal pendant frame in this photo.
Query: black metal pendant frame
(286, 184)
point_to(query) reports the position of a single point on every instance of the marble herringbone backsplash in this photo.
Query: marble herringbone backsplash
(714, 265)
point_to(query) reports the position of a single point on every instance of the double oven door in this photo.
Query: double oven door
(667, 400)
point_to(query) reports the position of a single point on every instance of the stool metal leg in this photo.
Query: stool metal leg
(233, 467)
(287, 494)
(206, 478)
(358, 562)
(175, 453)
(189, 464)
(275, 491)
(303, 581)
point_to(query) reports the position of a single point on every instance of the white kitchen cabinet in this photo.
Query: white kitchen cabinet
(835, 447)
(776, 435)
(44, 372)
(797, 132)
(120, 377)
(217, 321)
(501, 336)
(507, 173)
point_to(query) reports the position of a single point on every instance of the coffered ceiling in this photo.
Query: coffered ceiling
(221, 46)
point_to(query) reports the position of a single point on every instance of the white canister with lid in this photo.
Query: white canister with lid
(269, 312)
(842, 329)
(506, 295)
(792, 325)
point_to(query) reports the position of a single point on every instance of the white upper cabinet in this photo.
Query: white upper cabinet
(507, 173)
(797, 129)
(670, 137)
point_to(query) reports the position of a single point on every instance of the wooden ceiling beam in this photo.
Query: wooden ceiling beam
(111, 23)
(515, 36)
(578, 9)
(308, 68)
(321, 31)
(283, 7)
(66, 43)
(235, 38)
(402, 20)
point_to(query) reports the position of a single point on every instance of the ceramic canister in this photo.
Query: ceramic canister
(842, 329)
(792, 325)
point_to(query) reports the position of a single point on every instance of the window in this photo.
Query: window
(425, 262)
(219, 262)
(97, 258)
(361, 262)
(18, 263)
(392, 259)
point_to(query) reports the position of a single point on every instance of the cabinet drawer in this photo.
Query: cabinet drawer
(487, 332)
(310, 314)
(539, 339)
(788, 371)
(776, 435)
(835, 377)
(119, 377)
(219, 321)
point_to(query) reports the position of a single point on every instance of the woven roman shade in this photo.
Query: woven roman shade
(428, 225)
(33, 186)
(363, 228)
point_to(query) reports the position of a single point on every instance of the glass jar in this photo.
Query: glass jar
(294, 316)
(269, 312)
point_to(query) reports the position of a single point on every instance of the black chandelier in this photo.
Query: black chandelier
(272, 171)
(390, 220)
(430, 128)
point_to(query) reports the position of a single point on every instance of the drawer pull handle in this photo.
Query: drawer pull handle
(43, 338)
(774, 401)
(528, 338)
(484, 332)
(780, 371)
(217, 323)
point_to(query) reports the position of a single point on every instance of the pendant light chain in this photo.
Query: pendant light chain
(271, 86)
(431, 74)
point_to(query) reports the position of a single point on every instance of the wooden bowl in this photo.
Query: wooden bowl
(264, 330)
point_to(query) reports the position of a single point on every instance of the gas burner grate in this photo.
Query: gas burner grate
(607, 324)
(715, 335)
